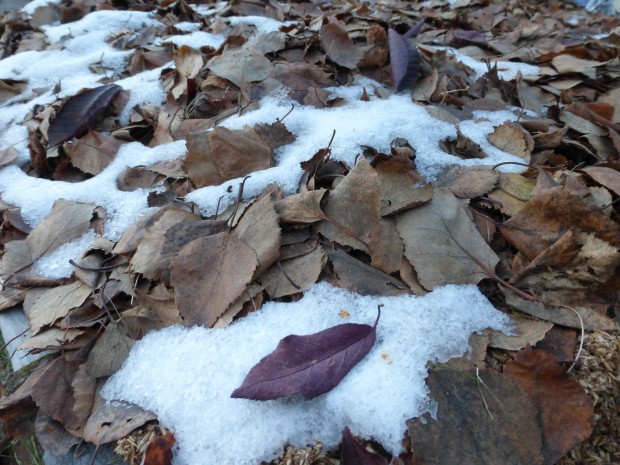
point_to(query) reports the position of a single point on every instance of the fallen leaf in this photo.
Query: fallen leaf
(353, 208)
(53, 436)
(50, 339)
(443, 244)
(109, 352)
(566, 413)
(512, 138)
(83, 387)
(528, 332)
(462, 146)
(7, 156)
(221, 154)
(401, 187)
(67, 221)
(55, 303)
(546, 217)
(468, 182)
(353, 453)
(159, 450)
(487, 422)
(80, 112)
(295, 275)
(303, 208)
(356, 276)
(94, 152)
(311, 365)
(385, 246)
(241, 66)
(404, 61)
(605, 176)
(111, 421)
(339, 47)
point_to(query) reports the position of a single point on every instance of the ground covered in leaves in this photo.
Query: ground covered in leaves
(531, 82)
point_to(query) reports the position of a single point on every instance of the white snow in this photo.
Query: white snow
(186, 376)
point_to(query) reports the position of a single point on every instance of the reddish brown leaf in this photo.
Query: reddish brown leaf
(339, 47)
(311, 365)
(159, 450)
(566, 412)
(353, 453)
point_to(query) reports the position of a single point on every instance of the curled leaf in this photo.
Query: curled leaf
(404, 61)
(311, 365)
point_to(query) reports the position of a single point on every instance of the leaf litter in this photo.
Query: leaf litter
(366, 211)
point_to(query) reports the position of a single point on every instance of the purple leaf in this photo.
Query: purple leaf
(80, 112)
(404, 61)
(353, 453)
(311, 365)
(470, 36)
(415, 29)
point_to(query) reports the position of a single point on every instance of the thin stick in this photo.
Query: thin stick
(583, 333)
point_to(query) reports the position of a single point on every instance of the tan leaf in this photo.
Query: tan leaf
(410, 277)
(250, 300)
(512, 138)
(148, 258)
(8, 156)
(52, 338)
(401, 187)
(216, 156)
(467, 182)
(385, 246)
(353, 208)
(209, 274)
(94, 152)
(241, 66)
(339, 47)
(111, 421)
(258, 227)
(109, 352)
(564, 316)
(528, 332)
(55, 303)
(443, 244)
(303, 271)
(507, 204)
(301, 208)
(83, 393)
(605, 176)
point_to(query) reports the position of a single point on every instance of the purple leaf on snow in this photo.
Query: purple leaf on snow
(80, 112)
(311, 365)
(404, 60)
(353, 453)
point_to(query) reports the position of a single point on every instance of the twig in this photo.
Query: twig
(583, 333)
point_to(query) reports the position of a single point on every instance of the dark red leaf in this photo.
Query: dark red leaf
(353, 453)
(311, 365)
(404, 61)
(80, 112)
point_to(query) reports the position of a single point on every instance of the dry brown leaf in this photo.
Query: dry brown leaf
(566, 63)
(467, 182)
(67, 221)
(353, 208)
(109, 352)
(83, 393)
(546, 217)
(443, 244)
(401, 187)
(159, 450)
(111, 421)
(485, 422)
(303, 271)
(566, 413)
(216, 156)
(385, 246)
(563, 316)
(241, 66)
(94, 152)
(512, 138)
(528, 332)
(148, 258)
(506, 203)
(410, 277)
(54, 437)
(356, 276)
(55, 303)
(258, 227)
(50, 339)
(605, 176)
(550, 140)
(8, 156)
(339, 47)
(251, 299)
(301, 208)
(188, 62)
(463, 146)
